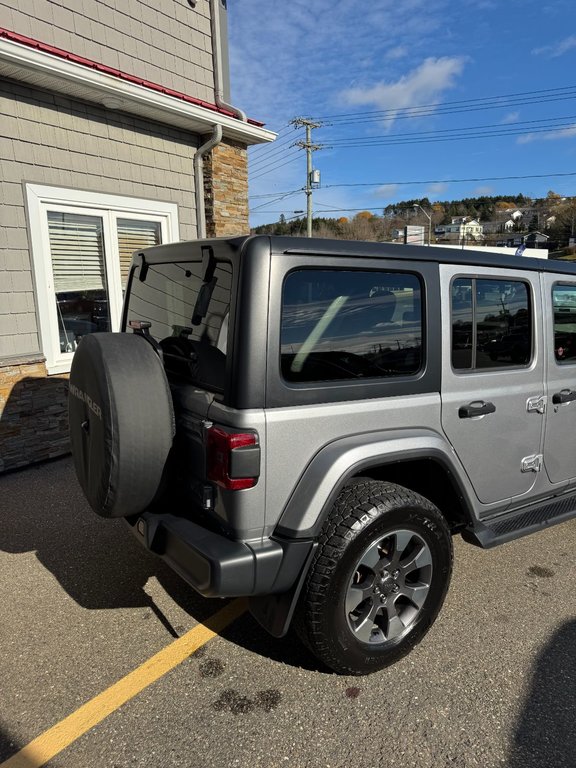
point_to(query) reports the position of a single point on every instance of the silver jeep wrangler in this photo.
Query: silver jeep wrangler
(308, 422)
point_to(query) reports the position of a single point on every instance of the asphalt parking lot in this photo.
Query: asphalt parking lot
(108, 659)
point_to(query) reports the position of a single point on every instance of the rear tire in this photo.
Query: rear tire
(378, 579)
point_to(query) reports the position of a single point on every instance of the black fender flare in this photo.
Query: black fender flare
(339, 461)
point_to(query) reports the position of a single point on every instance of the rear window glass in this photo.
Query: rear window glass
(340, 324)
(193, 337)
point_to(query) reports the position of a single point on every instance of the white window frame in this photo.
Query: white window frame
(40, 200)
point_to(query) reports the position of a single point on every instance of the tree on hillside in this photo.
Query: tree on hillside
(367, 226)
(564, 227)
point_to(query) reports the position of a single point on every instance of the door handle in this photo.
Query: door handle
(565, 396)
(476, 409)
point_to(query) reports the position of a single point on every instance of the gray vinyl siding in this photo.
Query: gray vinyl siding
(48, 139)
(166, 42)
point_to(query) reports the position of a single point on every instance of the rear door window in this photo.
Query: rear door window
(564, 303)
(491, 324)
(344, 324)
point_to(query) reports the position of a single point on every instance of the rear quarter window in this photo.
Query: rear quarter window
(347, 325)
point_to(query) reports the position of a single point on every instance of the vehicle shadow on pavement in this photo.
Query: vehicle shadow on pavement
(97, 562)
(100, 564)
(545, 733)
(7, 743)
(248, 634)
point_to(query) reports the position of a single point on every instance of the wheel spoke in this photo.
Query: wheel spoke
(363, 630)
(416, 593)
(355, 596)
(419, 559)
(371, 557)
(401, 540)
(395, 625)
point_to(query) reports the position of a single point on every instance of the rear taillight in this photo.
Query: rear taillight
(233, 458)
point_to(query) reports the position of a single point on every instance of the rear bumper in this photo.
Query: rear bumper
(220, 567)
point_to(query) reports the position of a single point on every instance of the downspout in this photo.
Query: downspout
(217, 62)
(201, 152)
(216, 136)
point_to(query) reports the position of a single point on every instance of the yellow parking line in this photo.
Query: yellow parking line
(64, 733)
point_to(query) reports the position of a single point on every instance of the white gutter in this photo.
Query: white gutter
(201, 152)
(44, 70)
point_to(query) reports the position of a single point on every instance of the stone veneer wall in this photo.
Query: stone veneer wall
(34, 414)
(226, 190)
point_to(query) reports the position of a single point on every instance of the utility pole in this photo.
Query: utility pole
(309, 125)
(417, 205)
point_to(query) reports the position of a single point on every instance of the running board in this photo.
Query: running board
(490, 533)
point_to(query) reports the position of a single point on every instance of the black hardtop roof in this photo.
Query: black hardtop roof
(439, 254)
(301, 246)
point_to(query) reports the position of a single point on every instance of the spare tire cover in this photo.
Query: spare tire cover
(121, 422)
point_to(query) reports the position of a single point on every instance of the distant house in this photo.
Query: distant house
(460, 229)
(498, 226)
(116, 134)
(531, 240)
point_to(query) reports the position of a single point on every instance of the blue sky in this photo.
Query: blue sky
(420, 71)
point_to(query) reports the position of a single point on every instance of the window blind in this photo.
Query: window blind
(133, 235)
(77, 251)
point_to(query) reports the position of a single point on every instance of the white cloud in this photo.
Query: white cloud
(436, 189)
(561, 133)
(557, 49)
(285, 57)
(398, 52)
(423, 85)
(386, 191)
(511, 117)
(479, 191)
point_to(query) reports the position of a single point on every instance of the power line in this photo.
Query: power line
(500, 126)
(269, 159)
(484, 99)
(282, 153)
(450, 181)
(408, 115)
(275, 167)
(274, 194)
(274, 163)
(561, 128)
(277, 199)
(279, 133)
(274, 149)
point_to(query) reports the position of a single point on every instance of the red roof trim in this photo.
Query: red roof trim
(53, 51)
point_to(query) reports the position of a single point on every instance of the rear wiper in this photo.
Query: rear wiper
(208, 285)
